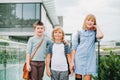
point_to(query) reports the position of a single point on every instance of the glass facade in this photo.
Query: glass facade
(18, 18)
(20, 15)
(12, 57)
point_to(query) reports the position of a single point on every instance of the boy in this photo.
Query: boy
(37, 64)
(58, 57)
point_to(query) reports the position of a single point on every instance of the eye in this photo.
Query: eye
(41, 28)
(55, 32)
(60, 32)
(38, 28)
(88, 19)
(92, 20)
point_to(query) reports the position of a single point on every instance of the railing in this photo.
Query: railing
(12, 59)
(11, 62)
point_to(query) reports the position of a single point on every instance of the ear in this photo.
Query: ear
(44, 29)
(34, 30)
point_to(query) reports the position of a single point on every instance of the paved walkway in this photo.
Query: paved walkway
(14, 72)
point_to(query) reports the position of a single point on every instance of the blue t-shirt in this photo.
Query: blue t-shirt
(32, 44)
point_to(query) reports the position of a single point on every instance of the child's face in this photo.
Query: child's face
(39, 30)
(58, 35)
(90, 23)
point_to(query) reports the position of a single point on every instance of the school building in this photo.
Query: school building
(16, 20)
(18, 16)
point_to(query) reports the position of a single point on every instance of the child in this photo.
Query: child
(37, 64)
(83, 53)
(58, 54)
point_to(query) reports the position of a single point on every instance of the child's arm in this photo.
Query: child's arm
(48, 57)
(28, 62)
(66, 42)
(99, 33)
(69, 62)
(72, 59)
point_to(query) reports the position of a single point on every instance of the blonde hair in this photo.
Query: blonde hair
(58, 28)
(88, 17)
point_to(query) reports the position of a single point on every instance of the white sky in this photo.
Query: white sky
(107, 13)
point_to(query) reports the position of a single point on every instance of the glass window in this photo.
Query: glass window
(10, 15)
(18, 15)
(12, 18)
(28, 15)
(4, 15)
(37, 11)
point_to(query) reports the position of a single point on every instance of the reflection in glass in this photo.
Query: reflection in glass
(4, 15)
(37, 11)
(28, 15)
(12, 17)
(19, 15)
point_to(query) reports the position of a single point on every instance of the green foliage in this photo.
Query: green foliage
(109, 67)
(5, 56)
(11, 55)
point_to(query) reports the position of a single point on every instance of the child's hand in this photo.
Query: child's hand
(71, 72)
(48, 72)
(28, 67)
(66, 42)
(94, 27)
(71, 68)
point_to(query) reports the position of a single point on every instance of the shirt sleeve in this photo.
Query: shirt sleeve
(49, 49)
(49, 41)
(69, 50)
(75, 41)
(29, 46)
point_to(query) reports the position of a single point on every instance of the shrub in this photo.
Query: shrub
(109, 67)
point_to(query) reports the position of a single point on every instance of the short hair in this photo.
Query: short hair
(38, 23)
(58, 28)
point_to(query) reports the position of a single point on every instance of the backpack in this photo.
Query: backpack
(66, 47)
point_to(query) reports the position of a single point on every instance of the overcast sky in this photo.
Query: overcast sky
(107, 13)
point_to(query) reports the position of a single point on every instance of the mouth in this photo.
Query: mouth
(89, 24)
(40, 32)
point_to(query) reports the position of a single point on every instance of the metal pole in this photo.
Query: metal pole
(5, 62)
(99, 60)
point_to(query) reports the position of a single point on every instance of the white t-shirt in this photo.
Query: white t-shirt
(58, 61)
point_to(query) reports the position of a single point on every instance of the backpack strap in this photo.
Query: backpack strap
(78, 37)
(96, 40)
(66, 48)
